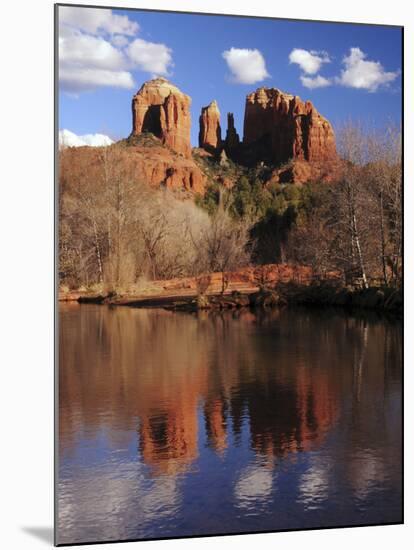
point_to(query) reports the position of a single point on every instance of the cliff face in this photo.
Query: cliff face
(209, 137)
(161, 108)
(279, 127)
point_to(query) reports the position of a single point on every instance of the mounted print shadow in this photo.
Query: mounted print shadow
(229, 268)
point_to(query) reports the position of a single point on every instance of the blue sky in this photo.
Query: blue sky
(348, 71)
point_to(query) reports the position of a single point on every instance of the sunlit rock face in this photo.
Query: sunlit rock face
(162, 109)
(209, 137)
(279, 127)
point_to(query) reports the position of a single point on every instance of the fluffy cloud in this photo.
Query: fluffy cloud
(150, 57)
(309, 61)
(362, 73)
(87, 62)
(97, 21)
(119, 40)
(70, 139)
(317, 81)
(98, 48)
(80, 50)
(246, 66)
(359, 72)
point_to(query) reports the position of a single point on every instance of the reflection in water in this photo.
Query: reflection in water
(176, 424)
(253, 487)
(314, 485)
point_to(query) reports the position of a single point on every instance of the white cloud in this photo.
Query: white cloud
(76, 80)
(87, 62)
(150, 57)
(309, 61)
(82, 50)
(119, 40)
(363, 74)
(317, 81)
(95, 50)
(246, 66)
(97, 21)
(70, 139)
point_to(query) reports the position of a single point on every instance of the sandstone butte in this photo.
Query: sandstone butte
(280, 130)
(279, 127)
(162, 109)
(209, 137)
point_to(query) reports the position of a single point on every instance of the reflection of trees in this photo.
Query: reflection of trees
(283, 375)
(373, 437)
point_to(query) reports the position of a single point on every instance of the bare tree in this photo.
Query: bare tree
(358, 227)
(224, 244)
(350, 201)
(384, 181)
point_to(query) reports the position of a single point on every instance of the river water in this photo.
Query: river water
(178, 424)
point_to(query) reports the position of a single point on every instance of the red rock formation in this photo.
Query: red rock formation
(216, 424)
(279, 127)
(209, 137)
(232, 137)
(143, 160)
(161, 108)
(158, 166)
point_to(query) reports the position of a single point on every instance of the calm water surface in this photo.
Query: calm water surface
(181, 424)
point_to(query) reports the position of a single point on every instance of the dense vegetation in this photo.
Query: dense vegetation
(115, 230)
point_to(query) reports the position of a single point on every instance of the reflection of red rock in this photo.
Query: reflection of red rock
(317, 409)
(161, 108)
(291, 417)
(162, 391)
(168, 439)
(216, 426)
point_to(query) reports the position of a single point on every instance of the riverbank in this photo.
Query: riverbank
(326, 294)
(261, 286)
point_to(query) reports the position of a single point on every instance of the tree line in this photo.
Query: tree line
(115, 230)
